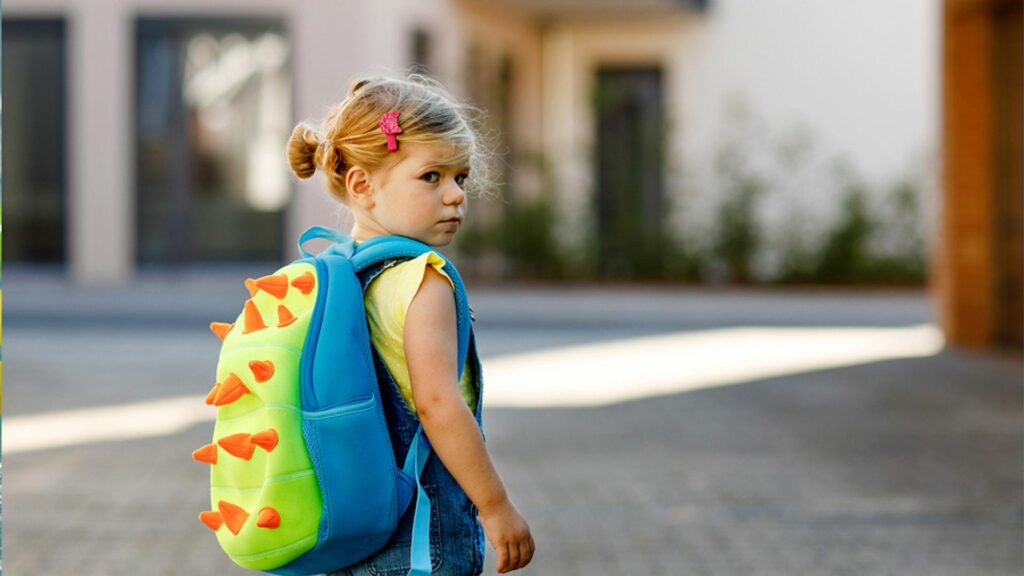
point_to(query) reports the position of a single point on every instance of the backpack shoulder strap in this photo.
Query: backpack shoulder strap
(368, 254)
(343, 244)
(381, 248)
(363, 256)
(415, 461)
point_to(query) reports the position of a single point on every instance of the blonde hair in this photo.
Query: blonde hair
(351, 133)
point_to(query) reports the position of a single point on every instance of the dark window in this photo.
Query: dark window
(628, 166)
(213, 116)
(34, 142)
(421, 57)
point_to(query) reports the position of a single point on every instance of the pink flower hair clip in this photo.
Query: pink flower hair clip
(389, 126)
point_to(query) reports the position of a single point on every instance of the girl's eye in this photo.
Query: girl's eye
(461, 180)
(431, 177)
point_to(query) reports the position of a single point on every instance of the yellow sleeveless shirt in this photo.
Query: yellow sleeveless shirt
(387, 300)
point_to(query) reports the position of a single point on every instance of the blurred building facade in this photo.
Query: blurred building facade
(151, 132)
(980, 262)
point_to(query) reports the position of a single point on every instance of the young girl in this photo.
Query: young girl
(398, 153)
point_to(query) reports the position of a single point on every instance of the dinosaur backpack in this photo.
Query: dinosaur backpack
(303, 479)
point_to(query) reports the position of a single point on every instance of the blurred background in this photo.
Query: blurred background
(749, 301)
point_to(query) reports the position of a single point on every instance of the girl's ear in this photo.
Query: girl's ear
(359, 187)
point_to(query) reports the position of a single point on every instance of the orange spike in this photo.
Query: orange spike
(262, 370)
(268, 518)
(206, 454)
(234, 516)
(304, 282)
(253, 320)
(221, 329)
(276, 284)
(212, 394)
(238, 445)
(212, 519)
(251, 286)
(266, 439)
(230, 390)
(284, 316)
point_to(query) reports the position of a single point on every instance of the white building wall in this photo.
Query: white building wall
(856, 81)
(863, 75)
(859, 79)
(330, 41)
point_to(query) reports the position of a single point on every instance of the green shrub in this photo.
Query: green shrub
(844, 254)
(738, 233)
(849, 252)
(525, 237)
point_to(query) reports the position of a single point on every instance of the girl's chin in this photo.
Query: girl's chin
(435, 238)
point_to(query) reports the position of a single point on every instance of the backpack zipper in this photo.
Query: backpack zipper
(357, 405)
(306, 385)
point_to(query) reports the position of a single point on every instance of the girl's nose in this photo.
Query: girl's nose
(455, 195)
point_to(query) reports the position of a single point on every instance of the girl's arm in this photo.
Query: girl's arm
(431, 351)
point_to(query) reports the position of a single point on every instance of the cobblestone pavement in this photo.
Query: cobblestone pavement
(899, 467)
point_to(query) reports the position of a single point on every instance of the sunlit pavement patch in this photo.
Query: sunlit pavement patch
(618, 371)
(162, 417)
(586, 375)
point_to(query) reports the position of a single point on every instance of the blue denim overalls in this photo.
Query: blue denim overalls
(456, 537)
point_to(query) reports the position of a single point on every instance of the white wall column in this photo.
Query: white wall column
(101, 202)
(563, 143)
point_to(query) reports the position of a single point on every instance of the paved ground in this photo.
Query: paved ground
(899, 467)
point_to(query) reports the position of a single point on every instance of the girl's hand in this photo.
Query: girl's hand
(510, 536)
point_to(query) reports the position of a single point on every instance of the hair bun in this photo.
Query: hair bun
(302, 151)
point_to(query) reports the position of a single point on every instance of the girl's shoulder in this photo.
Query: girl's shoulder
(409, 273)
(394, 288)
